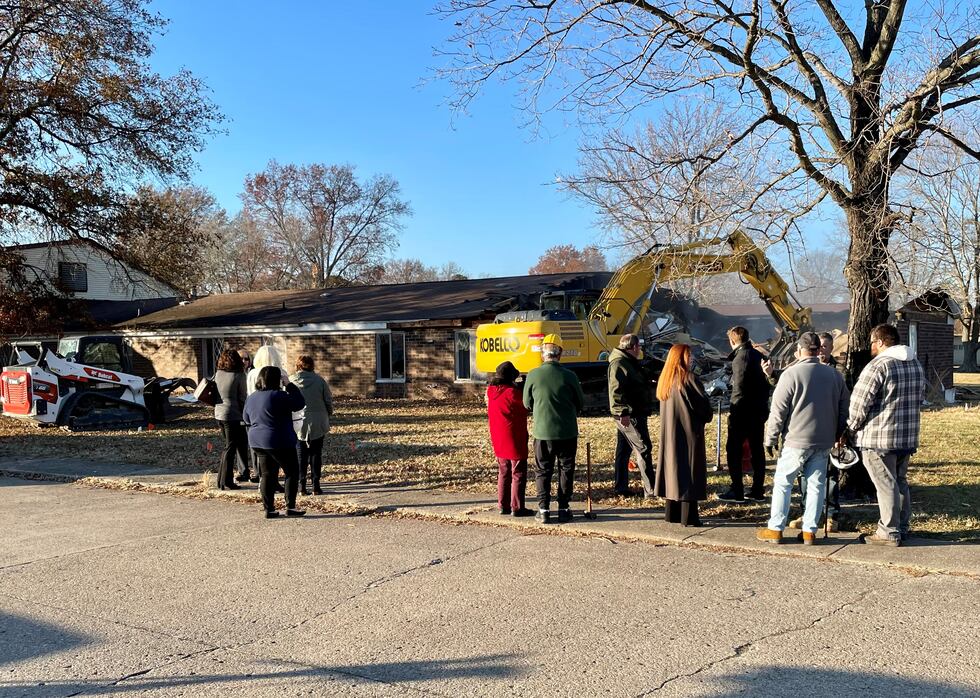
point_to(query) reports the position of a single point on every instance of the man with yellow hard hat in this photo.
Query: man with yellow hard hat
(553, 396)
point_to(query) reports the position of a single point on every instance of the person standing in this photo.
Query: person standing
(265, 355)
(883, 421)
(508, 434)
(269, 416)
(809, 409)
(316, 421)
(553, 395)
(682, 477)
(746, 416)
(630, 404)
(229, 378)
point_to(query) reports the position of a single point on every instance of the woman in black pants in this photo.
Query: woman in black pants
(269, 416)
(230, 381)
(316, 421)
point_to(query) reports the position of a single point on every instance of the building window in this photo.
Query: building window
(391, 357)
(914, 337)
(73, 276)
(465, 354)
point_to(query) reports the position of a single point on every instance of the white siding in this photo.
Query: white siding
(108, 278)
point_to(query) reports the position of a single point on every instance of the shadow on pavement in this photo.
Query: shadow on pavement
(24, 639)
(824, 683)
(488, 667)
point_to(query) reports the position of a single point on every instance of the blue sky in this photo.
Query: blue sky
(338, 82)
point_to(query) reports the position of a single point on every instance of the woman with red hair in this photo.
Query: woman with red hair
(682, 463)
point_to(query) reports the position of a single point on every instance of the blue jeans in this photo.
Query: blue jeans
(812, 463)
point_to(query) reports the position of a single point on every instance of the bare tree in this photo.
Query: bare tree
(243, 260)
(939, 246)
(568, 258)
(172, 234)
(328, 227)
(411, 271)
(843, 109)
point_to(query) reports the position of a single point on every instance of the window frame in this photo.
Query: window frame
(377, 357)
(62, 265)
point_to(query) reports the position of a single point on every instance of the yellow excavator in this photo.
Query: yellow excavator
(624, 306)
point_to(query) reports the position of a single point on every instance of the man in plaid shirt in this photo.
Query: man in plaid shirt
(884, 423)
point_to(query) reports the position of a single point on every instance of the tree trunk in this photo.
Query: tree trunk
(867, 277)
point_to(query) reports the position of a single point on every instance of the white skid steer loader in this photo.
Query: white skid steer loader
(54, 391)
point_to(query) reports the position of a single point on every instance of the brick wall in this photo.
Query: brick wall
(348, 362)
(935, 346)
(166, 357)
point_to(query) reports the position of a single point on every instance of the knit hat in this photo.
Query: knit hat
(506, 373)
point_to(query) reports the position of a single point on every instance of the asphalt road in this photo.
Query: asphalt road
(105, 593)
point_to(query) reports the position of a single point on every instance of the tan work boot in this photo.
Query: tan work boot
(808, 538)
(796, 523)
(767, 534)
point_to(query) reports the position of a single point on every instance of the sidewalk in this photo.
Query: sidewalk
(645, 525)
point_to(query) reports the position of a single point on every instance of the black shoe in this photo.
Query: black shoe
(304, 492)
(255, 479)
(730, 496)
(280, 489)
(755, 497)
(317, 490)
(272, 514)
(232, 486)
(295, 512)
(696, 524)
(504, 512)
(522, 512)
(623, 493)
(564, 515)
(242, 478)
(543, 516)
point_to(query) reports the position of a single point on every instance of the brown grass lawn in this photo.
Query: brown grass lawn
(448, 446)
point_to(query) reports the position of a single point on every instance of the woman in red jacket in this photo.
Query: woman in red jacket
(508, 433)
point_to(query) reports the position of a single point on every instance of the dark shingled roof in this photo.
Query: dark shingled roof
(466, 299)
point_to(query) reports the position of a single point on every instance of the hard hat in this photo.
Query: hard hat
(553, 339)
(843, 457)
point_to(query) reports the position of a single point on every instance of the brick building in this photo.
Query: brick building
(413, 341)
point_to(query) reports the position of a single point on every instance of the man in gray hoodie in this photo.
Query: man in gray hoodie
(884, 423)
(809, 410)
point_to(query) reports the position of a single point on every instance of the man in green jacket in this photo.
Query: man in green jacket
(630, 404)
(553, 395)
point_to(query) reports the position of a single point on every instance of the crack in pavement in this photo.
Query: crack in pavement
(370, 586)
(130, 542)
(746, 646)
(110, 621)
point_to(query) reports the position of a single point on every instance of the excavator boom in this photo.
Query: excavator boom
(624, 303)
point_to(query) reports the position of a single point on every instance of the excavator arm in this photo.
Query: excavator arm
(625, 301)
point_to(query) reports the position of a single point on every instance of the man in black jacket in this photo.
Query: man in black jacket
(747, 416)
(630, 405)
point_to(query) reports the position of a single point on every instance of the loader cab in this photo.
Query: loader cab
(108, 352)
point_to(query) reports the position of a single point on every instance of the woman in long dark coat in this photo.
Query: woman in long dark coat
(682, 462)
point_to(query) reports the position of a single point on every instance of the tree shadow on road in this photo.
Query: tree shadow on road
(503, 667)
(24, 639)
(781, 681)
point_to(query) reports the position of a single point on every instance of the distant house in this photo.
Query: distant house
(112, 290)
